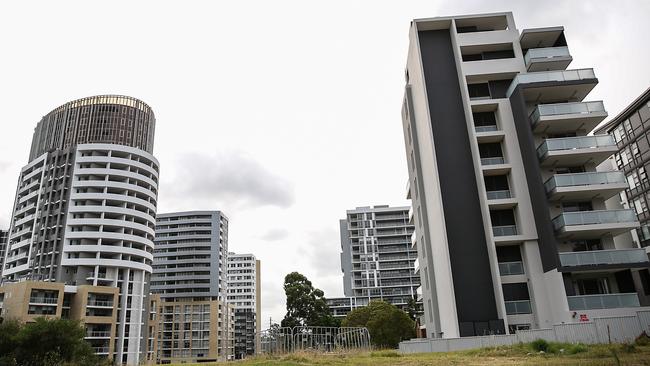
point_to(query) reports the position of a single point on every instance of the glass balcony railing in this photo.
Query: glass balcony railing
(574, 143)
(584, 179)
(579, 108)
(518, 307)
(493, 161)
(491, 128)
(504, 230)
(511, 268)
(498, 195)
(593, 218)
(43, 300)
(615, 256)
(541, 76)
(548, 53)
(604, 301)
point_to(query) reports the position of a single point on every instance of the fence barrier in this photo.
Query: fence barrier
(612, 329)
(322, 339)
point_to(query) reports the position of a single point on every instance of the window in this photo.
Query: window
(479, 91)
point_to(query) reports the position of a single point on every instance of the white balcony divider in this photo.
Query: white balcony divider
(613, 256)
(574, 143)
(541, 76)
(604, 301)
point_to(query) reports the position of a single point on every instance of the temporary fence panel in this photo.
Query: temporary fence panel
(576, 333)
(619, 329)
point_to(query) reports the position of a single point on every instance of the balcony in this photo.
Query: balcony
(604, 257)
(567, 117)
(507, 230)
(488, 134)
(518, 307)
(548, 58)
(552, 86)
(594, 224)
(52, 301)
(604, 301)
(98, 334)
(511, 268)
(585, 186)
(494, 166)
(576, 151)
(417, 265)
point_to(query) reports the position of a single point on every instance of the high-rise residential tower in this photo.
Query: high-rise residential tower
(377, 259)
(244, 294)
(4, 237)
(84, 214)
(511, 223)
(190, 276)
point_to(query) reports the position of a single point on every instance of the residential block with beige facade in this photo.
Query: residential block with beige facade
(512, 226)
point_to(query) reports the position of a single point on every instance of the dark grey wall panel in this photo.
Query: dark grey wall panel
(474, 292)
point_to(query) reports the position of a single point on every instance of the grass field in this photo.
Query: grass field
(523, 354)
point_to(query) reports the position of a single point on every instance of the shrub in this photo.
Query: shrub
(576, 348)
(539, 345)
(642, 340)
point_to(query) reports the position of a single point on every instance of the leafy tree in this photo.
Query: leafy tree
(46, 342)
(387, 324)
(306, 305)
(412, 308)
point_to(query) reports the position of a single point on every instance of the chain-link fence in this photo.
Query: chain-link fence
(322, 339)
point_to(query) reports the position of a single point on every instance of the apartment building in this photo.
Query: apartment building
(377, 259)
(244, 294)
(631, 129)
(4, 238)
(512, 226)
(95, 306)
(84, 211)
(190, 277)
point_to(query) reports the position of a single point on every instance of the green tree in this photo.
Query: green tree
(387, 324)
(306, 305)
(46, 342)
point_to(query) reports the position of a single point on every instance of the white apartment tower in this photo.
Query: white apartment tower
(511, 223)
(85, 207)
(377, 260)
(244, 293)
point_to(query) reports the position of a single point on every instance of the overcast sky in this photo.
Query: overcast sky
(281, 114)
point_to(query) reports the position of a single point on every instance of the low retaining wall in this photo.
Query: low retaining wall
(618, 329)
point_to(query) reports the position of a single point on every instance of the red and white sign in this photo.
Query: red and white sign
(584, 318)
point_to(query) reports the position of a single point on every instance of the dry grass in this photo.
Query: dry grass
(593, 355)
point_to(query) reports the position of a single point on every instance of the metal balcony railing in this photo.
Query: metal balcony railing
(504, 230)
(575, 108)
(614, 256)
(574, 143)
(511, 268)
(603, 301)
(490, 128)
(493, 161)
(498, 195)
(542, 76)
(537, 54)
(518, 307)
(584, 179)
(593, 218)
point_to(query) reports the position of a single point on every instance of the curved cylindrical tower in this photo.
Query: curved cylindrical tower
(109, 119)
(85, 214)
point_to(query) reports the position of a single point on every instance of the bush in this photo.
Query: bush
(576, 348)
(539, 345)
(642, 340)
(386, 323)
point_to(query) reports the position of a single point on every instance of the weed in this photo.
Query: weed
(539, 345)
(387, 353)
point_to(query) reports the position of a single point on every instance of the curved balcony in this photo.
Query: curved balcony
(575, 151)
(585, 186)
(594, 224)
